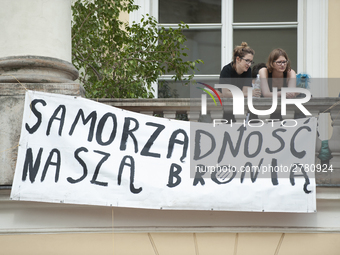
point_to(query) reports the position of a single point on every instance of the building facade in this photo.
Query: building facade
(310, 32)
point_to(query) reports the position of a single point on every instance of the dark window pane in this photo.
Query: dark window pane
(265, 11)
(190, 11)
(263, 41)
(205, 45)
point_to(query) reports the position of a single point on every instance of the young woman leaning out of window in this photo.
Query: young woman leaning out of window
(238, 72)
(278, 73)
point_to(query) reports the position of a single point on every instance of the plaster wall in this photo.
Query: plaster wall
(11, 109)
(36, 27)
(173, 243)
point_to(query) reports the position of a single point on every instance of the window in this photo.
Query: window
(203, 39)
(266, 25)
(263, 24)
(217, 26)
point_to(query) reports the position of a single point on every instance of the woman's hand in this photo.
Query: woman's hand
(256, 93)
(290, 95)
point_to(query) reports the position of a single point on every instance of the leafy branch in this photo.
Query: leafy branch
(121, 61)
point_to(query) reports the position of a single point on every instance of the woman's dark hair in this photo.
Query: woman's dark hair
(256, 68)
(240, 51)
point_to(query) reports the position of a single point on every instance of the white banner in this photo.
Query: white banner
(74, 150)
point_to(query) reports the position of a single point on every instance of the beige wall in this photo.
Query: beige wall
(124, 16)
(333, 50)
(172, 243)
(333, 45)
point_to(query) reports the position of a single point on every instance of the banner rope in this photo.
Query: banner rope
(15, 79)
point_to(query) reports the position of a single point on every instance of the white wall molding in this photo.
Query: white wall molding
(315, 55)
(227, 32)
(19, 217)
(316, 41)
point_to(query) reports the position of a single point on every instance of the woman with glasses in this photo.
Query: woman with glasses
(238, 72)
(278, 73)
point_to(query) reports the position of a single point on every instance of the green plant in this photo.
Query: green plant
(116, 60)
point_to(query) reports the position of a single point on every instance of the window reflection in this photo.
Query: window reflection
(263, 41)
(190, 11)
(265, 11)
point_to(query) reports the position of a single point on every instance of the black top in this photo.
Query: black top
(230, 76)
(270, 80)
